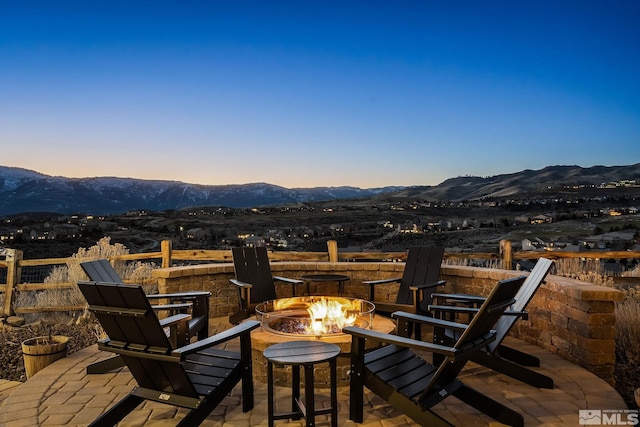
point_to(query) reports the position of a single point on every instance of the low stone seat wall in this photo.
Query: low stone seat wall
(573, 319)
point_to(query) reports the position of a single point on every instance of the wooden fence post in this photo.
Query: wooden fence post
(14, 256)
(506, 254)
(165, 247)
(332, 246)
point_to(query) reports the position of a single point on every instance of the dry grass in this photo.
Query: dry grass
(627, 370)
(72, 273)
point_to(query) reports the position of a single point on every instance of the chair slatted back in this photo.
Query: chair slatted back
(251, 265)
(422, 266)
(479, 329)
(135, 333)
(101, 271)
(524, 295)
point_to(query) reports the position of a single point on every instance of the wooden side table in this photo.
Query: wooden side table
(305, 354)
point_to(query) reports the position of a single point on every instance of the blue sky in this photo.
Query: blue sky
(329, 93)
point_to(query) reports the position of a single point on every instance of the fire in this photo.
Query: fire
(327, 315)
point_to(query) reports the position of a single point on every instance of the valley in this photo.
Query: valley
(369, 224)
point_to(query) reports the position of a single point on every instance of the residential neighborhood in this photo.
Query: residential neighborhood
(568, 224)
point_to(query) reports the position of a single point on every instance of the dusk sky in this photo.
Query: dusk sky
(317, 93)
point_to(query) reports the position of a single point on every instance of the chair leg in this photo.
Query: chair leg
(513, 370)
(309, 396)
(238, 317)
(518, 356)
(247, 373)
(356, 399)
(104, 366)
(117, 412)
(487, 405)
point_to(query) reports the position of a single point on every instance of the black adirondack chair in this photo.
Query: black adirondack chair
(406, 381)
(254, 280)
(496, 355)
(197, 376)
(194, 302)
(419, 279)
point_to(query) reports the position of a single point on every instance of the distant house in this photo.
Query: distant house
(535, 244)
(408, 227)
(42, 235)
(7, 234)
(537, 219)
(564, 246)
(541, 219)
(197, 234)
(254, 241)
(66, 231)
(613, 240)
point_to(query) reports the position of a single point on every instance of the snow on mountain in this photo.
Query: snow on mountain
(22, 190)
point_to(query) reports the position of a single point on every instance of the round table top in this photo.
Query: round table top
(325, 277)
(301, 352)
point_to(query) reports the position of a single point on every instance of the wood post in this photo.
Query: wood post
(332, 246)
(14, 256)
(506, 254)
(165, 248)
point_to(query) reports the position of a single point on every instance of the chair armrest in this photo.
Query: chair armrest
(229, 334)
(460, 297)
(288, 280)
(175, 319)
(524, 315)
(381, 281)
(172, 307)
(240, 283)
(427, 285)
(453, 309)
(425, 320)
(400, 341)
(181, 295)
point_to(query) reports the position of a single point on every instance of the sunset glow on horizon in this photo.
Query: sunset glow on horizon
(303, 94)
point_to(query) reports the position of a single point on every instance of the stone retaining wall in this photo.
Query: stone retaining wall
(573, 319)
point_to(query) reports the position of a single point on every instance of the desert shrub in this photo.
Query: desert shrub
(627, 369)
(72, 273)
(628, 330)
(465, 262)
(589, 271)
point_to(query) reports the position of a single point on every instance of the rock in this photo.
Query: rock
(16, 321)
(36, 324)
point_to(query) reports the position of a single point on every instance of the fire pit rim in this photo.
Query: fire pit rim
(267, 317)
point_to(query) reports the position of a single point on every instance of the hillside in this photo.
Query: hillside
(22, 190)
(527, 183)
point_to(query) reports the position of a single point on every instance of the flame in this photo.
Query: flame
(327, 315)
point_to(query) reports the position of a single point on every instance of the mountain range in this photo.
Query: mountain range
(23, 190)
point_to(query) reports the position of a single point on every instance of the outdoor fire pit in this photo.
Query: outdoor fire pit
(312, 318)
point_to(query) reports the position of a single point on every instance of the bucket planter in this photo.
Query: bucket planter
(40, 352)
